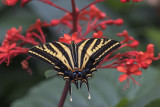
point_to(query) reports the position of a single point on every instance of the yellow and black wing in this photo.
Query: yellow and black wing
(92, 51)
(55, 53)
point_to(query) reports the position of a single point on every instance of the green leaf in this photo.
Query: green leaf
(123, 103)
(49, 73)
(105, 91)
(154, 103)
(152, 34)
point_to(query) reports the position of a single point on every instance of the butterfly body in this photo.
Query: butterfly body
(75, 61)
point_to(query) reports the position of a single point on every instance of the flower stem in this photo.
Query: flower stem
(74, 16)
(43, 37)
(64, 94)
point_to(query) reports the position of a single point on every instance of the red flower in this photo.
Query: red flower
(96, 13)
(134, 43)
(5, 51)
(118, 21)
(84, 15)
(10, 2)
(38, 25)
(55, 22)
(68, 39)
(13, 34)
(99, 34)
(130, 41)
(144, 59)
(8, 51)
(65, 20)
(131, 69)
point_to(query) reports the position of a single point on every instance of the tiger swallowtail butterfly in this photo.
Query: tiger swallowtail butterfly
(75, 61)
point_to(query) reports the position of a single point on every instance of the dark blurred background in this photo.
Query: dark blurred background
(19, 89)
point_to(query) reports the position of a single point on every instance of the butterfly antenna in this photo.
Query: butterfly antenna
(70, 92)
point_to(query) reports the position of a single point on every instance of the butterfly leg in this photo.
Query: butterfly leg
(76, 83)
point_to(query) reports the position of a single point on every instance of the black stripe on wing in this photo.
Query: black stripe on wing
(64, 49)
(38, 52)
(82, 51)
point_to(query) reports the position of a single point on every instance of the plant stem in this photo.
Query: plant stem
(64, 94)
(43, 37)
(74, 16)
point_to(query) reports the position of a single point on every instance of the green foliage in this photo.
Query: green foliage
(123, 103)
(49, 73)
(153, 34)
(154, 103)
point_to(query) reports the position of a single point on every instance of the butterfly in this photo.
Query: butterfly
(75, 61)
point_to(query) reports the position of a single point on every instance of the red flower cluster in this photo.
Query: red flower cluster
(124, 1)
(131, 61)
(14, 42)
(84, 15)
(96, 20)
(8, 51)
(144, 59)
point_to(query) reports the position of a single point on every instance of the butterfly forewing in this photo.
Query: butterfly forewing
(56, 53)
(95, 49)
